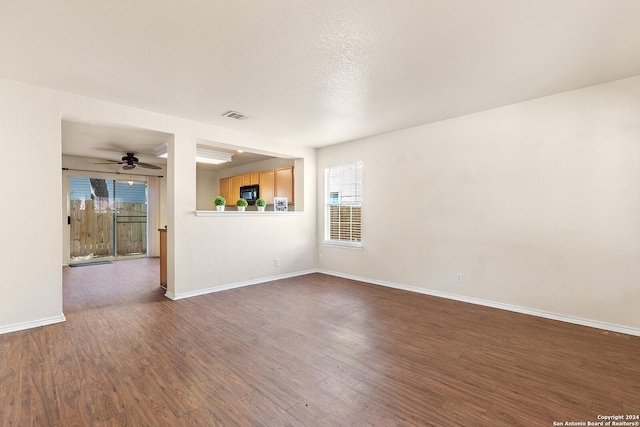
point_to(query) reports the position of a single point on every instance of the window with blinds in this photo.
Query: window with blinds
(344, 204)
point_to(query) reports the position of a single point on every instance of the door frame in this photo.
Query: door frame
(66, 238)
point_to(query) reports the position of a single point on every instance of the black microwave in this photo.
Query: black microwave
(250, 193)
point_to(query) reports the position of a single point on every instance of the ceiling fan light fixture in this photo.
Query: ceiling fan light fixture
(212, 157)
(130, 161)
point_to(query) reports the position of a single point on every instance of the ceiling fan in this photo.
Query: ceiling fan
(130, 161)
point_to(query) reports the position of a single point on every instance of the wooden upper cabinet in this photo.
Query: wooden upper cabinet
(267, 185)
(236, 183)
(273, 183)
(255, 178)
(225, 189)
(284, 183)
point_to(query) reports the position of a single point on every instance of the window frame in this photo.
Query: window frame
(330, 202)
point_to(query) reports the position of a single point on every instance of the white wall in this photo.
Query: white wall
(30, 237)
(207, 188)
(241, 248)
(204, 253)
(537, 204)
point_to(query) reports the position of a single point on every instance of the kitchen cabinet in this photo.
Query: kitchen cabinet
(163, 257)
(225, 190)
(255, 179)
(236, 183)
(283, 183)
(267, 185)
(252, 178)
(273, 183)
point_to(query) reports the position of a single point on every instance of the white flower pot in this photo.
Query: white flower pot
(261, 208)
(241, 208)
(220, 208)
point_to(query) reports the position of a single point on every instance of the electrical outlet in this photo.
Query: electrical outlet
(276, 262)
(320, 256)
(459, 277)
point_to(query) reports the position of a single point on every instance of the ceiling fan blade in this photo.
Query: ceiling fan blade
(147, 166)
(109, 162)
(128, 167)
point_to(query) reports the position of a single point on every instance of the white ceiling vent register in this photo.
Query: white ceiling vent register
(235, 115)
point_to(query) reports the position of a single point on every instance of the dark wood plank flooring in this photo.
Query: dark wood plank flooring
(308, 351)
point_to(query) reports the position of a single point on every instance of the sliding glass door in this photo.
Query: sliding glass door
(108, 218)
(130, 218)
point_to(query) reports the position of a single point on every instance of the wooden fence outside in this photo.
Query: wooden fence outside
(92, 228)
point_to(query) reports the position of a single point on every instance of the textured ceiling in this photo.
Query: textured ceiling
(318, 72)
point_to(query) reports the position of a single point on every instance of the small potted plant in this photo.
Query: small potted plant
(261, 204)
(219, 202)
(241, 204)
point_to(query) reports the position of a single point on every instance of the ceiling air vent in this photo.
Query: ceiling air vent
(235, 115)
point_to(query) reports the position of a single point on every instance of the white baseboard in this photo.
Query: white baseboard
(523, 310)
(517, 309)
(33, 324)
(236, 285)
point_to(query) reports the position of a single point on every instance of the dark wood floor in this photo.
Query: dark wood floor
(309, 351)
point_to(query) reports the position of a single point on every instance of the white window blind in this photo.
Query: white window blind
(344, 203)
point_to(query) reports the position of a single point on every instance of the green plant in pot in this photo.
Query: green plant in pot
(241, 204)
(261, 204)
(219, 203)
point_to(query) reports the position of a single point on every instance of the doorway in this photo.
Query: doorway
(107, 219)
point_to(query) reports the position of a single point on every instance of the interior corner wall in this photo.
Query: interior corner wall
(536, 204)
(204, 254)
(31, 192)
(234, 250)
